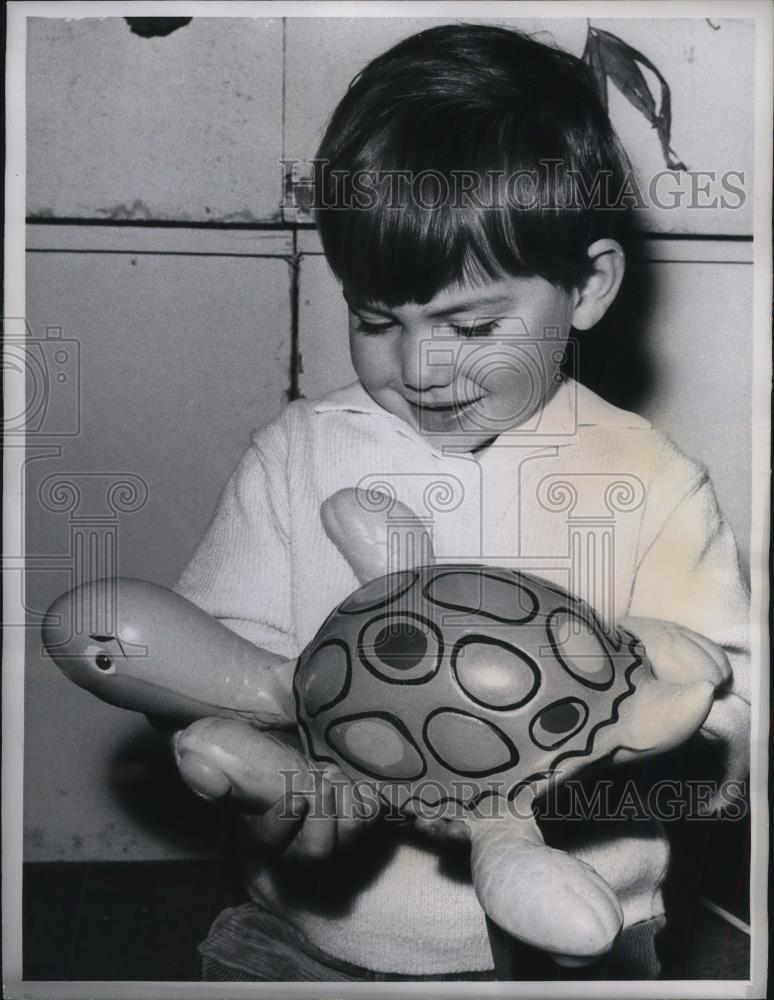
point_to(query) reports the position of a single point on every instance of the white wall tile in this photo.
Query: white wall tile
(186, 127)
(323, 338)
(181, 357)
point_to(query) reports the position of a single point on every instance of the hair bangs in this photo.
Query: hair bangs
(413, 211)
(392, 254)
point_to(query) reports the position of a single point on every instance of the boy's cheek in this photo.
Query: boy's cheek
(372, 362)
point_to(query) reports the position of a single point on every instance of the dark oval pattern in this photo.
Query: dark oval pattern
(558, 722)
(401, 648)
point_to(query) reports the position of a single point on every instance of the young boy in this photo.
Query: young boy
(466, 199)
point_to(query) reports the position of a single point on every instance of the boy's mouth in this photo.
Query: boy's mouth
(458, 406)
(443, 418)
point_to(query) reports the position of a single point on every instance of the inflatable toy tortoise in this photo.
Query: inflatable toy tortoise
(450, 684)
(455, 688)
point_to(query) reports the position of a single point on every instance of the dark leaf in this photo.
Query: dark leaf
(592, 57)
(621, 63)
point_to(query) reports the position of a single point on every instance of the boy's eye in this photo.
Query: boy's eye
(475, 329)
(363, 326)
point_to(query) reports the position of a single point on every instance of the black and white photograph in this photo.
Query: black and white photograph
(386, 504)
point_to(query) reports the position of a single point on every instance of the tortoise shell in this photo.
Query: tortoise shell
(444, 684)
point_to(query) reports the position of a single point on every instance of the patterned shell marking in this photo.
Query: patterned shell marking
(450, 683)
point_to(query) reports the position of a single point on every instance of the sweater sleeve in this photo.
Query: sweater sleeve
(690, 574)
(241, 570)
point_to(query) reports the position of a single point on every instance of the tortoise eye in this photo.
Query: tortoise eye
(104, 662)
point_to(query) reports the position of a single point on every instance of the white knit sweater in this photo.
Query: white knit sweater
(586, 495)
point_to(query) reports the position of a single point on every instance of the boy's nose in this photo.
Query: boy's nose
(425, 363)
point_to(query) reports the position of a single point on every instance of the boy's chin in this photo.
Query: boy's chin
(460, 430)
(463, 432)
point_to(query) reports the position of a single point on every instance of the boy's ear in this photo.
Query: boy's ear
(596, 296)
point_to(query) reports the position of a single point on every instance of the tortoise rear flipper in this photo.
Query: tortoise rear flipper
(540, 895)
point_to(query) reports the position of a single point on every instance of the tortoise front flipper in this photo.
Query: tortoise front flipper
(540, 895)
(675, 689)
(657, 718)
(356, 522)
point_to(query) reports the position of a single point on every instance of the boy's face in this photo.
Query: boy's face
(477, 360)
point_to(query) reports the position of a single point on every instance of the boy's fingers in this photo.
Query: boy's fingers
(317, 838)
(717, 655)
(352, 814)
(439, 828)
(279, 824)
(225, 756)
(350, 818)
(218, 756)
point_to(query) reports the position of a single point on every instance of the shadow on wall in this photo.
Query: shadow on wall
(145, 785)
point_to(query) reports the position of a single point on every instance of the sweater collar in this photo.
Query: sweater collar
(573, 405)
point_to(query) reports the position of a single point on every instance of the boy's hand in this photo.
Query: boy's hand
(679, 655)
(290, 805)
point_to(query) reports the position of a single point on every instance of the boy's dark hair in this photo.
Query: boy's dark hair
(466, 151)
